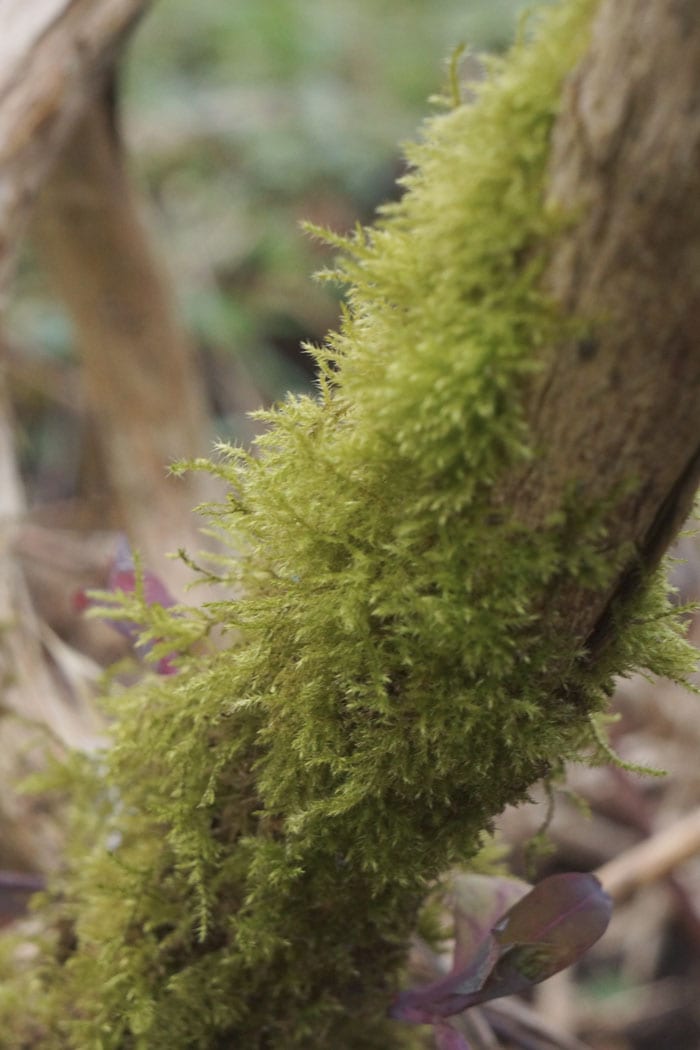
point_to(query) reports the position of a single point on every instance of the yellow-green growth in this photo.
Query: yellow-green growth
(263, 830)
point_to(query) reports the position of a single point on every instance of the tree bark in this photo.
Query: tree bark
(53, 54)
(615, 413)
(57, 132)
(143, 388)
(28, 689)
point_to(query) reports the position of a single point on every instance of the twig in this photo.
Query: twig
(515, 1020)
(653, 859)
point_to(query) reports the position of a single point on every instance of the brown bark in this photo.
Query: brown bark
(142, 384)
(616, 412)
(53, 53)
(27, 688)
(56, 130)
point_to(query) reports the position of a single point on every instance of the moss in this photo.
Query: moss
(267, 821)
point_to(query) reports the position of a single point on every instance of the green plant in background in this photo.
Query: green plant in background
(251, 853)
(246, 118)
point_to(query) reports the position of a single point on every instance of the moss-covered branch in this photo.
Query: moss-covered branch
(409, 653)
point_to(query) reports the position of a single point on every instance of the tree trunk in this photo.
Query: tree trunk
(616, 411)
(53, 55)
(144, 392)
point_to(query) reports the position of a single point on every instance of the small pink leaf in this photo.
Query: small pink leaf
(123, 579)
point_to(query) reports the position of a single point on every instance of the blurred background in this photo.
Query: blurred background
(238, 122)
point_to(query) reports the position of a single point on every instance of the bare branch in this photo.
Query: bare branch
(52, 56)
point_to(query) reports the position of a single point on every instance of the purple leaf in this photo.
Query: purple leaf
(123, 579)
(545, 931)
(450, 995)
(16, 888)
(448, 1038)
(478, 902)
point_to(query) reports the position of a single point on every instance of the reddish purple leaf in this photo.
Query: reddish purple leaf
(450, 995)
(545, 931)
(447, 1038)
(123, 579)
(16, 889)
(478, 902)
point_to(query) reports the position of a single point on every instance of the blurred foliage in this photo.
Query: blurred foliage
(243, 119)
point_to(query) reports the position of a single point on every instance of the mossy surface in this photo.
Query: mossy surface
(260, 836)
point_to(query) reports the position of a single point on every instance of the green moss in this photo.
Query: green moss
(268, 820)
